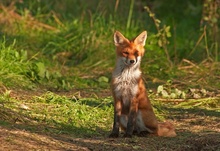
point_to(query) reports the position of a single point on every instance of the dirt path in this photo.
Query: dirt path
(185, 141)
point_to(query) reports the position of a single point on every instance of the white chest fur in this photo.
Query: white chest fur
(125, 84)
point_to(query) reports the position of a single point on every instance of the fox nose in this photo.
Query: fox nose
(132, 61)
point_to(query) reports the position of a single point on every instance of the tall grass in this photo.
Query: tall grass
(13, 66)
(78, 34)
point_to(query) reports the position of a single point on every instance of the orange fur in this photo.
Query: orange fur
(132, 109)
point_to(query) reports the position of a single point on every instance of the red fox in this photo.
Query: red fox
(132, 109)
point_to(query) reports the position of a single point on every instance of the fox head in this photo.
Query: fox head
(130, 51)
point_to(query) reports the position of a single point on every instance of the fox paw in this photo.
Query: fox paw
(127, 135)
(143, 134)
(113, 135)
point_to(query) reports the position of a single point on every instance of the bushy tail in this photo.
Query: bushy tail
(166, 129)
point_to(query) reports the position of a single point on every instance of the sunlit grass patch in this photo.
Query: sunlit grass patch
(59, 114)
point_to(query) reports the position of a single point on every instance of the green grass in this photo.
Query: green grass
(13, 66)
(59, 114)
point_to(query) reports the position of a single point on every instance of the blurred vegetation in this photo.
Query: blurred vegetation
(68, 44)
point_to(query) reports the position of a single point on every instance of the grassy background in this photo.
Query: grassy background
(65, 41)
(67, 46)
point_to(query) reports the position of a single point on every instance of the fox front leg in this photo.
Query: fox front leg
(116, 124)
(131, 119)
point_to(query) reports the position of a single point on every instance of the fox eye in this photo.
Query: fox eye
(126, 53)
(136, 53)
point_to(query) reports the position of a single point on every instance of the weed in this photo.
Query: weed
(12, 64)
(162, 34)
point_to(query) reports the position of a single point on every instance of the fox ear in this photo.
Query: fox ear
(141, 39)
(119, 39)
